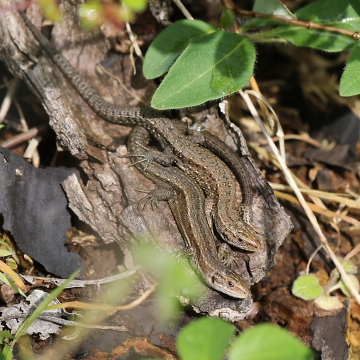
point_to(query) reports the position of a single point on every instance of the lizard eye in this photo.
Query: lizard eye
(230, 284)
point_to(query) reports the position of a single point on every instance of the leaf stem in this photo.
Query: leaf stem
(306, 24)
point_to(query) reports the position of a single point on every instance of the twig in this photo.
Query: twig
(306, 24)
(101, 307)
(12, 87)
(25, 136)
(339, 198)
(303, 138)
(183, 9)
(315, 208)
(82, 283)
(353, 252)
(60, 321)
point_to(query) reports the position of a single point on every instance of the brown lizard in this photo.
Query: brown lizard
(207, 169)
(188, 205)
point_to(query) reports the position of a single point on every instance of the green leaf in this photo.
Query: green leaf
(328, 302)
(136, 5)
(4, 243)
(307, 287)
(331, 12)
(227, 18)
(349, 82)
(9, 282)
(174, 277)
(90, 15)
(204, 339)
(6, 334)
(51, 10)
(41, 307)
(5, 253)
(274, 7)
(313, 38)
(170, 43)
(211, 67)
(348, 265)
(354, 280)
(6, 353)
(340, 14)
(268, 342)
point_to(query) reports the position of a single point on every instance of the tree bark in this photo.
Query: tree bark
(108, 200)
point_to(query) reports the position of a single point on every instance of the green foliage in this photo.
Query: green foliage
(7, 350)
(204, 63)
(348, 265)
(174, 276)
(136, 5)
(209, 339)
(212, 65)
(275, 7)
(328, 302)
(269, 342)
(324, 12)
(354, 280)
(307, 287)
(349, 83)
(313, 38)
(227, 19)
(343, 14)
(12, 261)
(170, 43)
(93, 13)
(205, 339)
(9, 282)
(51, 10)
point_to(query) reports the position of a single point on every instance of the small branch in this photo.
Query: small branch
(183, 9)
(101, 307)
(306, 24)
(10, 93)
(82, 283)
(64, 322)
(25, 136)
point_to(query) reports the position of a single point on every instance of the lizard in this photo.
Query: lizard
(188, 206)
(206, 168)
(235, 163)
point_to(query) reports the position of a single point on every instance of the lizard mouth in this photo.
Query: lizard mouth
(229, 285)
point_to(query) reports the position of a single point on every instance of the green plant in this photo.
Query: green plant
(7, 266)
(6, 336)
(207, 338)
(307, 287)
(95, 12)
(204, 63)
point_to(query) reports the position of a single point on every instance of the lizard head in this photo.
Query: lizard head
(242, 236)
(229, 283)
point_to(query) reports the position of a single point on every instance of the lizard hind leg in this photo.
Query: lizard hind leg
(154, 196)
(226, 256)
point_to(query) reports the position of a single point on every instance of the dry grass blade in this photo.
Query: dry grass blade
(101, 307)
(13, 275)
(339, 198)
(328, 213)
(292, 183)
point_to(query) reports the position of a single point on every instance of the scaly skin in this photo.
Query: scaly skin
(208, 170)
(187, 203)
